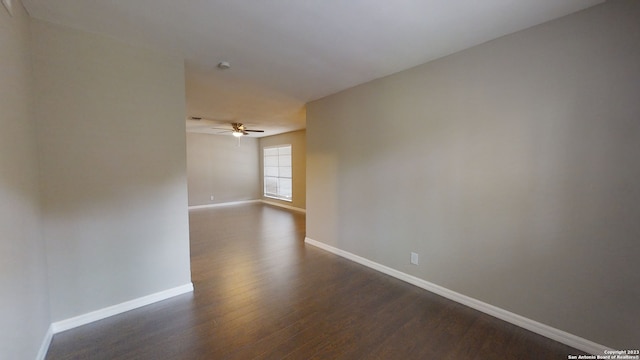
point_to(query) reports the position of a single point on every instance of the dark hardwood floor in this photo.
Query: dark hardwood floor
(260, 293)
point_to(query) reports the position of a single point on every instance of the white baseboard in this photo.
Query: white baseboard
(531, 325)
(284, 206)
(42, 353)
(60, 326)
(207, 206)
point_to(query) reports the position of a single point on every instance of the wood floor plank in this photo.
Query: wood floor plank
(261, 293)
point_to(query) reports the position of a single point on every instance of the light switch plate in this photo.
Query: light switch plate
(7, 4)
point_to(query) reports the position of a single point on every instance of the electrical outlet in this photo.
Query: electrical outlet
(212, 197)
(414, 258)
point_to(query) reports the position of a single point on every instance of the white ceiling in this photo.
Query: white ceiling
(286, 53)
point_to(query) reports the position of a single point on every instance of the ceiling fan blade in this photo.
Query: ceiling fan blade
(253, 130)
(224, 132)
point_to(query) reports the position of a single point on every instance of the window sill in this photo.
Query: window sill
(277, 198)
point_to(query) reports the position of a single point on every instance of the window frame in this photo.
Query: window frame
(277, 195)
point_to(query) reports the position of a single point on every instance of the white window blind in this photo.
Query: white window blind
(277, 172)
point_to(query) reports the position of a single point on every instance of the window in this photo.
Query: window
(277, 172)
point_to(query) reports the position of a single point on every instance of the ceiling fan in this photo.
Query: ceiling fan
(237, 129)
(240, 130)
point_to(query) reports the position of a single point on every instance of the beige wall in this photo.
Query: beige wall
(218, 167)
(24, 299)
(298, 142)
(113, 169)
(512, 169)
